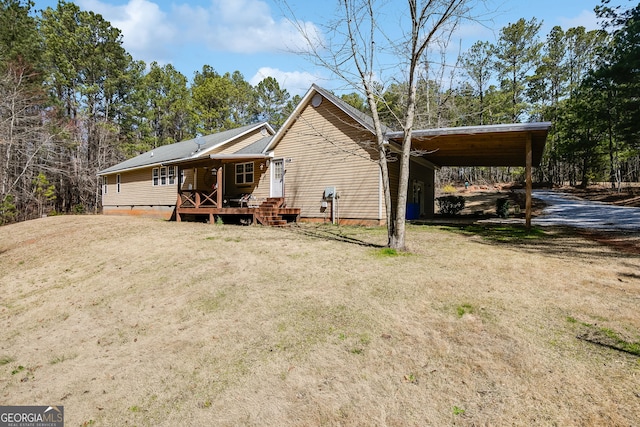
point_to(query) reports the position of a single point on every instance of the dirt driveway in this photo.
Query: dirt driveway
(567, 210)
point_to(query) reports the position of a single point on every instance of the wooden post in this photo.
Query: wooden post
(179, 198)
(220, 184)
(529, 184)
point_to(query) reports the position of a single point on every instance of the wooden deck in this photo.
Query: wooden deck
(198, 205)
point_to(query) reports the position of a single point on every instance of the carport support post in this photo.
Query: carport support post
(528, 184)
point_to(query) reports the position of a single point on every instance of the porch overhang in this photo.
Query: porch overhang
(218, 158)
(225, 158)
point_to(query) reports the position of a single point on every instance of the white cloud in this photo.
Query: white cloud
(296, 82)
(235, 26)
(241, 26)
(586, 19)
(147, 31)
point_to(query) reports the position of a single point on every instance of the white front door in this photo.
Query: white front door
(277, 178)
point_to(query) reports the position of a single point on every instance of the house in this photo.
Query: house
(321, 166)
(151, 184)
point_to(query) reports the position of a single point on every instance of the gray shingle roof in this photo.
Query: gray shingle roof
(257, 147)
(180, 150)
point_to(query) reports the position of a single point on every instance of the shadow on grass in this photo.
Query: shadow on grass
(333, 233)
(552, 241)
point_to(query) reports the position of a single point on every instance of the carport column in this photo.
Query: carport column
(529, 184)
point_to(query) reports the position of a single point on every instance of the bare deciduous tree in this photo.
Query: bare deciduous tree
(23, 137)
(374, 40)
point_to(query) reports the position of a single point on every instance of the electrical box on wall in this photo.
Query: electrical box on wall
(329, 193)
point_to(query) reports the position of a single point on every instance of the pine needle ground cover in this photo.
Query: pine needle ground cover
(128, 321)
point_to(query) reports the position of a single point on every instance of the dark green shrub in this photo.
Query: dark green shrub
(8, 210)
(78, 209)
(502, 207)
(450, 205)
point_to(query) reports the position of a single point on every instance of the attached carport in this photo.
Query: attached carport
(517, 145)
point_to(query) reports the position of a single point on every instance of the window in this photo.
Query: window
(118, 183)
(105, 184)
(163, 176)
(155, 176)
(244, 173)
(182, 177)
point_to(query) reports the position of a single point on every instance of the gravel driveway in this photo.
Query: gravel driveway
(568, 210)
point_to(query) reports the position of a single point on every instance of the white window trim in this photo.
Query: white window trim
(161, 176)
(171, 175)
(105, 184)
(155, 177)
(244, 173)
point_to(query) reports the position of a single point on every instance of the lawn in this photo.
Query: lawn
(130, 321)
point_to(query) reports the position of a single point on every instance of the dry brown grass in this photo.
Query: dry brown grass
(129, 321)
(628, 195)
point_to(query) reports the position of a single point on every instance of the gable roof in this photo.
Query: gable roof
(361, 118)
(488, 145)
(257, 147)
(190, 148)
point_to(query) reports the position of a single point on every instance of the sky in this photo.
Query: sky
(252, 36)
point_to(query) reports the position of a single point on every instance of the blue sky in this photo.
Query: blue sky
(249, 35)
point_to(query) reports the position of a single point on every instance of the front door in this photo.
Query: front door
(277, 178)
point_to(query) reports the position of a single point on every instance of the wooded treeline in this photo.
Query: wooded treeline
(73, 102)
(587, 83)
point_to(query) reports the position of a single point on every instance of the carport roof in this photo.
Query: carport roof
(488, 145)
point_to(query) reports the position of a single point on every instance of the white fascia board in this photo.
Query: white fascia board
(257, 126)
(292, 118)
(470, 130)
(152, 165)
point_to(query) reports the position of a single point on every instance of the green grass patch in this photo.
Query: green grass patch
(389, 253)
(622, 344)
(502, 233)
(5, 360)
(605, 337)
(457, 411)
(464, 309)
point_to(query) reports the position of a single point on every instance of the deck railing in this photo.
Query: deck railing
(197, 199)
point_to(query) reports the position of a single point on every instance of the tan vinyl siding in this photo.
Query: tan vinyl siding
(233, 189)
(136, 188)
(239, 144)
(262, 187)
(325, 148)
